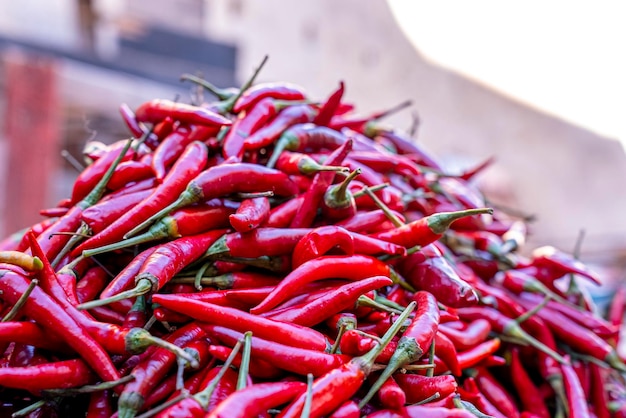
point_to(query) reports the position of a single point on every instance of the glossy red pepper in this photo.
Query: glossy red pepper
(54, 375)
(419, 388)
(330, 107)
(415, 341)
(225, 179)
(105, 212)
(475, 355)
(281, 91)
(320, 241)
(355, 267)
(241, 321)
(154, 111)
(267, 135)
(186, 168)
(128, 116)
(258, 242)
(475, 333)
(576, 399)
(528, 393)
(169, 150)
(260, 369)
(129, 172)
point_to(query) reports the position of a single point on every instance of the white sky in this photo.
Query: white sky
(564, 57)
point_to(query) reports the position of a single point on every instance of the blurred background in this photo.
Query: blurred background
(481, 87)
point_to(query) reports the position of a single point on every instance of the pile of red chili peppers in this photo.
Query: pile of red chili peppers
(268, 255)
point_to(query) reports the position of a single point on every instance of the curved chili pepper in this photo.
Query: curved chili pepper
(154, 111)
(446, 351)
(555, 264)
(225, 179)
(475, 333)
(30, 333)
(355, 267)
(366, 221)
(256, 399)
(528, 393)
(42, 308)
(186, 168)
(89, 177)
(330, 107)
(158, 269)
(618, 305)
(258, 242)
(577, 401)
(128, 116)
(20, 259)
(339, 202)
(343, 297)
(54, 375)
(306, 137)
(338, 385)
(105, 212)
(348, 409)
(282, 215)
(280, 91)
(289, 334)
(415, 340)
(267, 135)
(250, 214)
(418, 387)
(390, 395)
(475, 355)
(243, 280)
(53, 212)
(599, 398)
(314, 196)
(496, 393)
(169, 150)
(100, 405)
(321, 240)
(479, 399)
(153, 369)
(181, 223)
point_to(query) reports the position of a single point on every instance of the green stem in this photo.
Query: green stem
(308, 400)
(373, 189)
(159, 230)
(90, 388)
(390, 215)
(20, 302)
(81, 233)
(533, 311)
(142, 287)
(204, 397)
(186, 198)
(244, 368)
(342, 330)
(431, 360)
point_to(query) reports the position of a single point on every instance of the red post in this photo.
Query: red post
(32, 119)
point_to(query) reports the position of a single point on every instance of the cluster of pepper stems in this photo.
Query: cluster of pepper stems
(264, 255)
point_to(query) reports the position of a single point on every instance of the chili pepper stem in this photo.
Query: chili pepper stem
(515, 331)
(30, 408)
(197, 281)
(390, 215)
(222, 94)
(306, 410)
(20, 302)
(142, 287)
(81, 233)
(533, 311)
(440, 222)
(371, 303)
(342, 330)
(156, 232)
(204, 397)
(186, 198)
(89, 388)
(242, 378)
(163, 406)
(431, 398)
(374, 189)
(431, 360)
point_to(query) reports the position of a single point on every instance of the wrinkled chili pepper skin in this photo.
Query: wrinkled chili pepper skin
(257, 399)
(250, 214)
(258, 92)
(42, 308)
(186, 168)
(355, 267)
(157, 110)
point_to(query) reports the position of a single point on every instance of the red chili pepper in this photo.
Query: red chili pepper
(100, 405)
(240, 280)
(437, 276)
(390, 395)
(415, 340)
(280, 91)
(267, 135)
(105, 212)
(428, 229)
(496, 393)
(250, 214)
(157, 110)
(555, 264)
(225, 179)
(53, 212)
(330, 107)
(260, 369)
(181, 223)
(366, 221)
(334, 301)
(419, 388)
(320, 241)
(355, 267)
(362, 123)
(241, 321)
(314, 196)
(339, 202)
(128, 172)
(89, 177)
(306, 137)
(54, 375)
(294, 163)
(576, 399)
(186, 168)
(599, 398)
(158, 269)
(257, 399)
(43, 309)
(297, 360)
(258, 242)
(30, 333)
(446, 351)
(169, 150)
(128, 116)
(348, 409)
(578, 337)
(282, 215)
(617, 307)
(475, 355)
(479, 399)
(153, 369)
(405, 146)
(476, 332)
(338, 385)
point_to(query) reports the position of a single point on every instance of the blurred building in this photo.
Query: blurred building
(101, 53)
